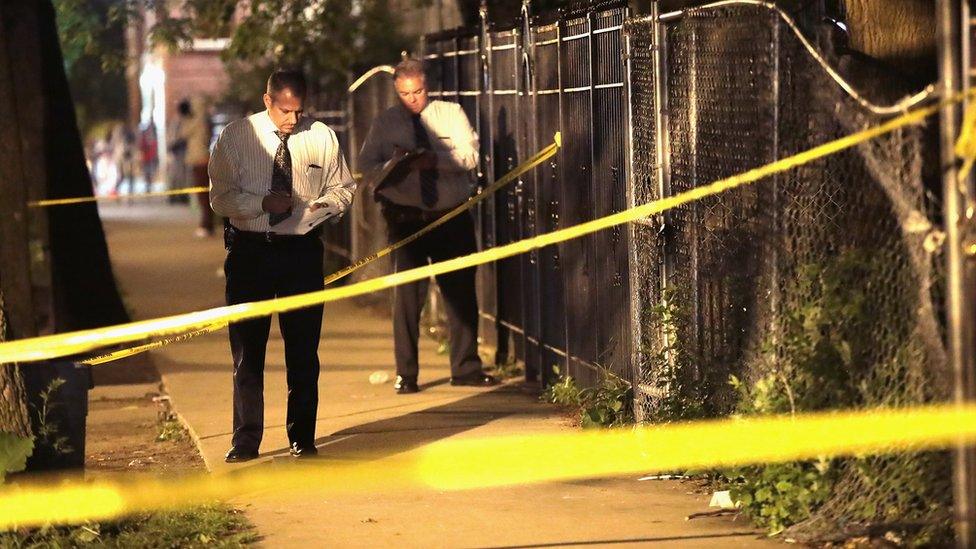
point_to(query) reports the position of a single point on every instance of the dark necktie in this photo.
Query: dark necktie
(281, 176)
(428, 178)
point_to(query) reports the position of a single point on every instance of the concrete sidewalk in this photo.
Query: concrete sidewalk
(164, 270)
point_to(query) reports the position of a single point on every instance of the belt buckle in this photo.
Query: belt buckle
(269, 236)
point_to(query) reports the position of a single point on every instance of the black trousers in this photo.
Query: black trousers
(258, 270)
(453, 239)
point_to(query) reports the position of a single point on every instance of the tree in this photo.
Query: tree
(55, 273)
(93, 44)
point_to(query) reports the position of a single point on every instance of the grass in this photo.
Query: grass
(171, 429)
(205, 526)
(214, 525)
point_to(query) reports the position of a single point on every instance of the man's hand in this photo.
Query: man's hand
(276, 202)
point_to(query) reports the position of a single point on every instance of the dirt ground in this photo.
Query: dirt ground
(122, 437)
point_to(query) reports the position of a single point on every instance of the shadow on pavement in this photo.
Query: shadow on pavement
(383, 438)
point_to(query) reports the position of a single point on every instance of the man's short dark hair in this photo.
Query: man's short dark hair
(286, 79)
(409, 68)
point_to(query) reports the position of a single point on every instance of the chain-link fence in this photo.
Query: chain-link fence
(812, 290)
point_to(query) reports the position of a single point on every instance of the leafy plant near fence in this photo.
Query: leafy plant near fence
(821, 356)
(820, 351)
(609, 403)
(680, 390)
(806, 365)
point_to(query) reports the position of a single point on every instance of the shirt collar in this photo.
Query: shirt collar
(264, 123)
(409, 114)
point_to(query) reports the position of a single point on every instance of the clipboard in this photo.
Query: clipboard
(380, 179)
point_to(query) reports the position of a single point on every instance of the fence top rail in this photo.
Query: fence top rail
(901, 106)
(369, 74)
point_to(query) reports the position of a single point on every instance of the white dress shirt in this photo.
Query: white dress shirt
(451, 137)
(243, 160)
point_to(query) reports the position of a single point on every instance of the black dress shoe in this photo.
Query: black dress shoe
(405, 385)
(477, 379)
(237, 455)
(302, 450)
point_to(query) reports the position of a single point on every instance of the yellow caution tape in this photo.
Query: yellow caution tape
(513, 174)
(535, 458)
(59, 345)
(85, 199)
(131, 351)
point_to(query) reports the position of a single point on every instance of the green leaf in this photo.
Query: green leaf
(14, 451)
(784, 486)
(764, 494)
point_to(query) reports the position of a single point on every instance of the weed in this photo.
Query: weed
(47, 431)
(607, 404)
(170, 428)
(508, 369)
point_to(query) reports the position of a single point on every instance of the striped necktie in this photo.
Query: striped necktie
(281, 176)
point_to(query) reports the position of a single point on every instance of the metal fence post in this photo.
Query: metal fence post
(637, 351)
(959, 269)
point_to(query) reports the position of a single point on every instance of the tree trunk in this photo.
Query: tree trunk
(899, 33)
(55, 273)
(17, 312)
(895, 31)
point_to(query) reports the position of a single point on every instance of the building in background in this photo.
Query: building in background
(160, 78)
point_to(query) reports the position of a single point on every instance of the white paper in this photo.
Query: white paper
(303, 219)
(723, 500)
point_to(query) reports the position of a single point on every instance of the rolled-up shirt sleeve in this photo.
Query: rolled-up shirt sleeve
(338, 185)
(227, 197)
(463, 155)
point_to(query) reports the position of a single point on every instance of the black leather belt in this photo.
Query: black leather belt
(408, 214)
(271, 236)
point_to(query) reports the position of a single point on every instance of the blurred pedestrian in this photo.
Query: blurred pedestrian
(177, 173)
(149, 153)
(262, 168)
(439, 150)
(196, 130)
(123, 153)
(104, 168)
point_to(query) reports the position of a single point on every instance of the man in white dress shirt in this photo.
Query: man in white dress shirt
(437, 179)
(264, 170)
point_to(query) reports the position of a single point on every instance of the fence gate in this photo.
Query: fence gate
(545, 97)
